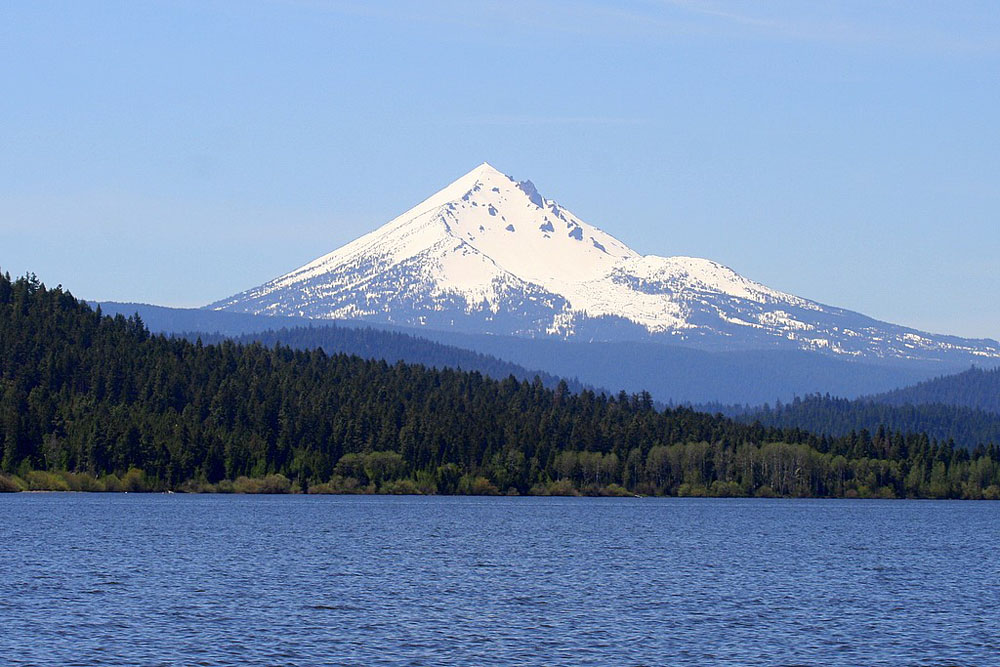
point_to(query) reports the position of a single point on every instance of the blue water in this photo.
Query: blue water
(306, 580)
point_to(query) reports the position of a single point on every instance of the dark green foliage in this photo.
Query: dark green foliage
(975, 388)
(82, 393)
(966, 427)
(8, 485)
(392, 346)
(669, 372)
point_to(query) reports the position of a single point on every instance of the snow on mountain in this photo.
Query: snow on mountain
(490, 254)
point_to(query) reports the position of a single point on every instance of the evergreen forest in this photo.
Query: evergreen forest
(371, 343)
(966, 427)
(98, 403)
(976, 388)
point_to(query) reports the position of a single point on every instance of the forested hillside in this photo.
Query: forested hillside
(669, 372)
(94, 402)
(392, 346)
(966, 427)
(975, 388)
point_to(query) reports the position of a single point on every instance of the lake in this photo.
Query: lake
(133, 579)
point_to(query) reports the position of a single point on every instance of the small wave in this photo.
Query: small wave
(333, 607)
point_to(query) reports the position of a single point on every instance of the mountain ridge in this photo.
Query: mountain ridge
(975, 388)
(488, 254)
(670, 372)
(967, 427)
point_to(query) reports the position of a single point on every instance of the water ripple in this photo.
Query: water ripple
(224, 580)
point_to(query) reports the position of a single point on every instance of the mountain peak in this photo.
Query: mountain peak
(488, 253)
(483, 174)
(520, 231)
(480, 173)
(487, 167)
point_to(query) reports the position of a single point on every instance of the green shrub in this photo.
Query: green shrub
(197, 486)
(111, 483)
(326, 488)
(41, 480)
(448, 477)
(561, 487)
(347, 484)
(351, 465)
(384, 466)
(8, 485)
(276, 484)
(243, 484)
(720, 489)
(81, 481)
(645, 489)
(427, 482)
(135, 481)
(470, 485)
(401, 487)
(269, 484)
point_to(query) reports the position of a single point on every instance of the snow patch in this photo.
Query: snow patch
(447, 255)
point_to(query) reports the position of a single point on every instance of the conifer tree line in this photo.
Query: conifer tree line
(95, 402)
(967, 427)
(976, 388)
(371, 343)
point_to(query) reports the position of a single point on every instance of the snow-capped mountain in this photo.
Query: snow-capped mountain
(490, 254)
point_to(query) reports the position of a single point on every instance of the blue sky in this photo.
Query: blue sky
(176, 152)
